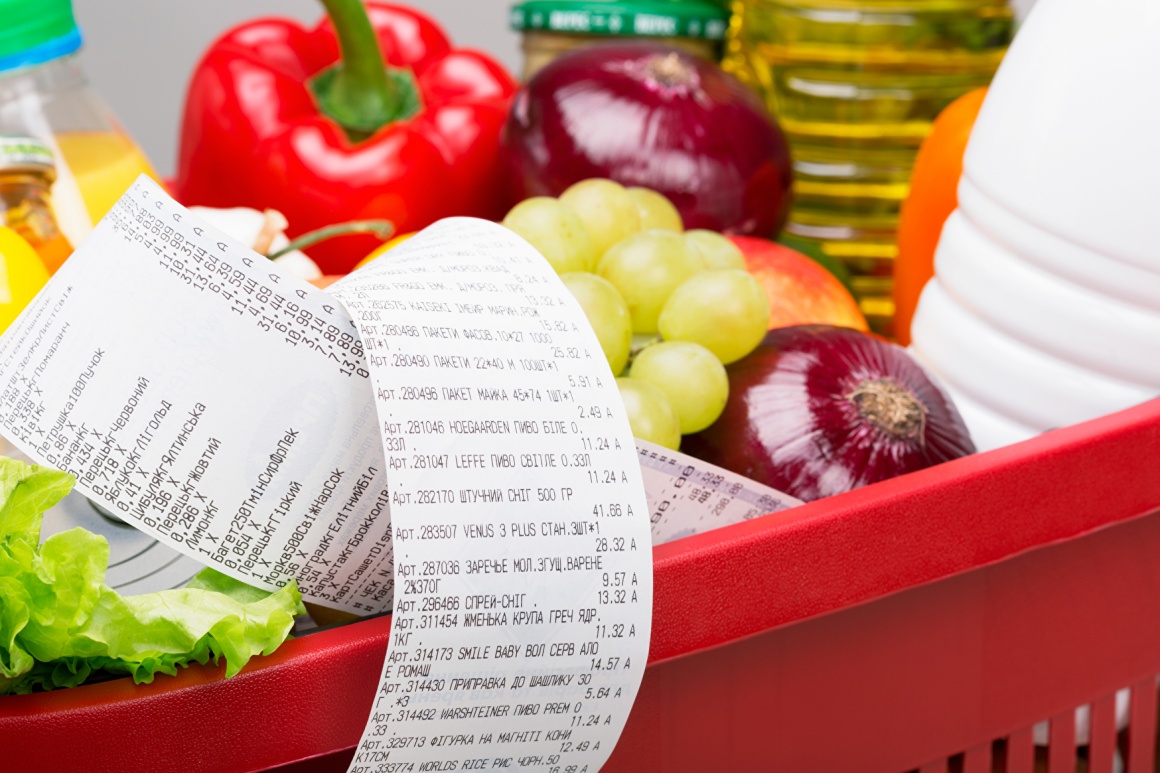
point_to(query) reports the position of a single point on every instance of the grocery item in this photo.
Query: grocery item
(264, 232)
(552, 27)
(690, 287)
(800, 291)
(44, 93)
(556, 231)
(645, 114)
(716, 250)
(818, 410)
(645, 268)
(856, 84)
(650, 414)
(609, 212)
(27, 171)
(323, 142)
(691, 377)
(932, 197)
(22, 274)
(655, 210)
(725, 310)
(387, 245)
(607, 313)
(104, 164)
(1045, 306)
(62, 623)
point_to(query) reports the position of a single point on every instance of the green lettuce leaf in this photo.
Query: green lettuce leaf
(60, 623)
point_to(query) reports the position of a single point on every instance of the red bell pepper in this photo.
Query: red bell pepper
(274, 119)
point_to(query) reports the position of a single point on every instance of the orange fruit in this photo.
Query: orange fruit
(933, 196)
(395, 242)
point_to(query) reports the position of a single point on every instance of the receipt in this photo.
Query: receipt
(439, 434)
(687, 496)
(522, 606)
(211, 400)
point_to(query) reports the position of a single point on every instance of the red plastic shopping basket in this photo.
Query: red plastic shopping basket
(927, 622)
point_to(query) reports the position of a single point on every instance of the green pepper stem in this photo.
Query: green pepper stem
(380, 228)
(357, 92)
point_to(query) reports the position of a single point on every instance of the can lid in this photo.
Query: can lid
(26, 154)
(636, 18)
(36, 31)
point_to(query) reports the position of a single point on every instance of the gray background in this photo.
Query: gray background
(139, 53)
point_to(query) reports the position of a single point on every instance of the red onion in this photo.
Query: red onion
(654, 116)
(817, 410)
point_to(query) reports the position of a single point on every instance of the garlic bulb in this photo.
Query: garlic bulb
(262, 231)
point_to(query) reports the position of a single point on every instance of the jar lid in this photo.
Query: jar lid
(36, 31)
(26, 154)
(635, 18)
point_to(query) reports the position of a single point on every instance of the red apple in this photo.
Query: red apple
(800, 291)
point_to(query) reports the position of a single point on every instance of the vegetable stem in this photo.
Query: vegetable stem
(360, 93)
(381, 228)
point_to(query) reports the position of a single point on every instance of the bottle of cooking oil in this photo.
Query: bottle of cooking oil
(856, 85)
(44, 94)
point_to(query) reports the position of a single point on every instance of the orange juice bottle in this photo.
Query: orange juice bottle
(44, 94)
(104, 165)
(27, 171)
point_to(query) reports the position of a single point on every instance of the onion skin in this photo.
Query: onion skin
(650, 115)
(817, 410)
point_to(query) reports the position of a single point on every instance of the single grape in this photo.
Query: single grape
(715, 250)
(650, 415)
(645, 268)
(607, 210)
(726, 311)
(606, 312)
(656, 211)
(555, 231)
(690, 376)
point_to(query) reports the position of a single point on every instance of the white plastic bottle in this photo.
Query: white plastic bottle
(1045, 306)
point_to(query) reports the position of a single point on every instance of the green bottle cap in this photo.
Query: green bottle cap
(36, 31)
(625, 18)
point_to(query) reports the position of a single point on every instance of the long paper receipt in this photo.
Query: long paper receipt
(437, 433)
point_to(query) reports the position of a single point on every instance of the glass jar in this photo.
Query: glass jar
(552, 27)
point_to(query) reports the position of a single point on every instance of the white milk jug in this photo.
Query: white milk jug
(1045, 306)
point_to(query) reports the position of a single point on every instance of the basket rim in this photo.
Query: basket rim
(816, 559)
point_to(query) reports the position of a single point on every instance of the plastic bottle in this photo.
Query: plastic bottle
(27, 171)
(44, 94)
(856, 85)
(1044, 309)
